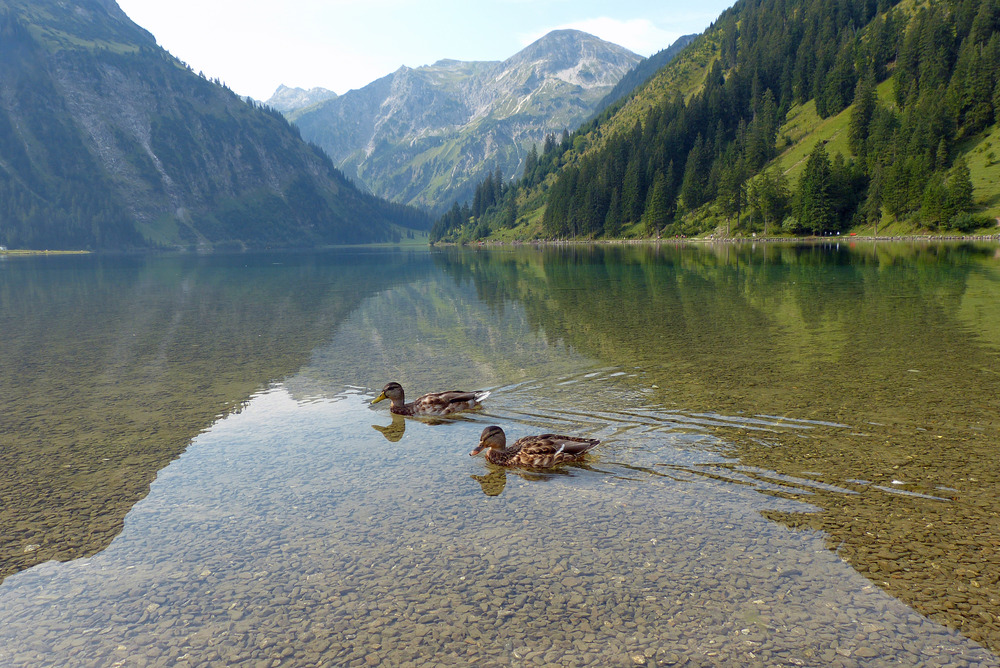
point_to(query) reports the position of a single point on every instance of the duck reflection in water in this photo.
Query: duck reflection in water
(394, 431)
(493, 483)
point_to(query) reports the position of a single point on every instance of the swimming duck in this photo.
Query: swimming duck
(435, 403)
(540, 451)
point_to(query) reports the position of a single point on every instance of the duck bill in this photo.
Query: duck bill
(379, 398)
(479, 448)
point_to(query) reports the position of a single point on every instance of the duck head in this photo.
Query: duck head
(393, 392)
(492, 437)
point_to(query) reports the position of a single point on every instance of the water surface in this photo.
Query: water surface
(797, 463)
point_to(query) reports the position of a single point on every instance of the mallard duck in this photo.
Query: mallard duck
(539, 451)
(435, 403)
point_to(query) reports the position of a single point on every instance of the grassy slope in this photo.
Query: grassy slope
(983, 156)
(803, 129)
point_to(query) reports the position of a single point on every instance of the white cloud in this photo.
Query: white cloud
(639, 35)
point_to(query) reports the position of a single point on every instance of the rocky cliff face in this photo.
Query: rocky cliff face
(426, 136)
(106, 141)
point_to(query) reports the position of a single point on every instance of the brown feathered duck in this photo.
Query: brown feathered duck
(540, 451)
(435, 403)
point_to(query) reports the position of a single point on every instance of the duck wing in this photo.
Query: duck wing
(548, 449)
(443, 403)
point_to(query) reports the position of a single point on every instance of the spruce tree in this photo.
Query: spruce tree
(613, 219)
(815, 209)
(732, 188)
(934, 207)
(959, 196)
(633, 195)
(530, 164)
(657, 213)
(693, 185)
(861, 116)
(996, 102)
(768, 193)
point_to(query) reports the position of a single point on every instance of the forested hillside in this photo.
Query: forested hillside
(795, 116)
(108, 142)
(643, 71)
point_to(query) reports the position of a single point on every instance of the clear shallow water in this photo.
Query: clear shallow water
(309, 528)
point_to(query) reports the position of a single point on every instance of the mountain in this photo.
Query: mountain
(425, 136)
(289, 99)
(108, 142)
(788, 117)
(643, 72)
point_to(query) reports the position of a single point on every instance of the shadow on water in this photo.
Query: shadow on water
(111, 365)
(861, 378)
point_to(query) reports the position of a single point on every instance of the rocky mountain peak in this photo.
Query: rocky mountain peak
(425, 135)
(286, 98)
(576, 57)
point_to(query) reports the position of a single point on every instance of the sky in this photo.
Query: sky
(255, 45)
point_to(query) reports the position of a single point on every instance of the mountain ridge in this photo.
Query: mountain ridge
(424, 135)
(109, 142)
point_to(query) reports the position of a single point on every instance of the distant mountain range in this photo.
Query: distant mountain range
(426, 136)
(289, 99)
(109, 142)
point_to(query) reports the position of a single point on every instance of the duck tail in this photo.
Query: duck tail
(482, 395)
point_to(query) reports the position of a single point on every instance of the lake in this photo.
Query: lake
(798, 462)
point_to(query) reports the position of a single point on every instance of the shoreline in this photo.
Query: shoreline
(20, 251)
(991, 238)
(995, 238)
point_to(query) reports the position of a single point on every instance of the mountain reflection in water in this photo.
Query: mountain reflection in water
(111, 365)
(847, 393)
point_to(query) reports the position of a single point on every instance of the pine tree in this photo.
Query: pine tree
(769, 194)
(732, 188)
(941, 156)
(959, 196)
(633, 193)
(657, 213)
(872, 206)
(934, 207)
(550, 144)
(510, 213)
(613, 219)
(861, 116)
(996, 102)
(530, 164)
(693, 185)
(815, 209)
